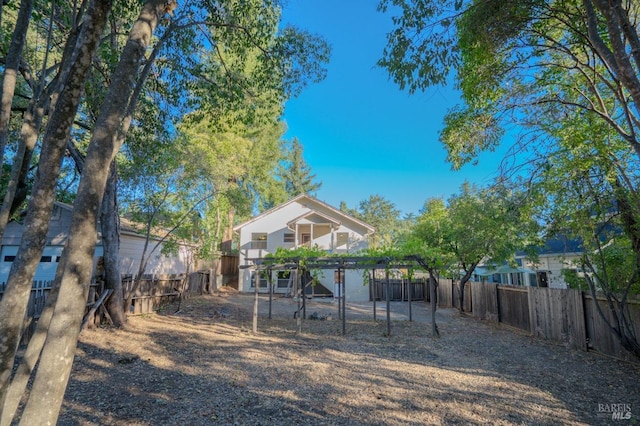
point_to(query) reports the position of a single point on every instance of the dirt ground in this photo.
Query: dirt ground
(203, 365)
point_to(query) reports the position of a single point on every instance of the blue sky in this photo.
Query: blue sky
(362, 135)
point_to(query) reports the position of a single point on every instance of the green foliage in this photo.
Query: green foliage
(473, 227)
(467, 133)
(420, 51)
(382, 215)
(295, 173)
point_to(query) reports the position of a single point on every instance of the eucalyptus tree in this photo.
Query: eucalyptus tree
(50, 42)
(509, 56)
(520, 66)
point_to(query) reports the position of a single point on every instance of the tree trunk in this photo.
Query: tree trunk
(110, 223)
(30, 358)
(14, 302)
(57, 355)
(11, 62)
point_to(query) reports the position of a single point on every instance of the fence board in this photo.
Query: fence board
(484, 300)
(513, 306)
(601, 338)
(399, 289)
(558, 315)
(154, 291)
(445, 293)
(37, 299)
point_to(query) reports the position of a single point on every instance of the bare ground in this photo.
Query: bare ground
(203, 365)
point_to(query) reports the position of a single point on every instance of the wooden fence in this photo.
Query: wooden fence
(39, 293)
(399, 289)
(562, 315)
(151, 294)
(157, 290)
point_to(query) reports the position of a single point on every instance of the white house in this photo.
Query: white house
(558, 255)
(303, 221)
(131, 244)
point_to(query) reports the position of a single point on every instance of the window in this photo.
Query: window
(289, 238)
(543, 279)
(45, 259)
(342, 239)
(263, 279)
(9, 258)
(259, 240)
(284, 278)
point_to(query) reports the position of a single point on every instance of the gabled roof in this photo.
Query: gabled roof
(127, 226)
(302, 199)
(312, 213)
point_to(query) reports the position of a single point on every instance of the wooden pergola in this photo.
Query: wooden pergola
(340, 264)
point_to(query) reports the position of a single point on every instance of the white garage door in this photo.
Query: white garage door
(46, 268)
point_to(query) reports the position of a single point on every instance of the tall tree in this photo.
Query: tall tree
(532, 66)
(251, 24)
(489, 226)
(14, 302)
(10, 74)
(296, 173)
(382, 215)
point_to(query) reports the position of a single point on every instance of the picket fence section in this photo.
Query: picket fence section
(37, 299)
(152, 293)
(567, 316)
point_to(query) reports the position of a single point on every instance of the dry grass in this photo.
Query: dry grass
(204, 366)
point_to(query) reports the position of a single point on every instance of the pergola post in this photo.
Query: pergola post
(339, 297)
(375, 293)
(343, 295)
(388, 303)
(255, 301)
(432, 290)
(410, 294)
(298, 316)
(270, 284)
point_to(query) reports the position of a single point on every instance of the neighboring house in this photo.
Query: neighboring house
(558, 254)
(303, 221)
(131, 245)
(504, 274)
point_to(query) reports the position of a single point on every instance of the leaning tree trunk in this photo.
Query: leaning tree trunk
(52, 377)
(30, 357)
(11, 62)
(13, 305)
(110, 224)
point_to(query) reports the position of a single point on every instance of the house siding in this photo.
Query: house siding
(553, 265)
(131, 247)
(130, 250)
